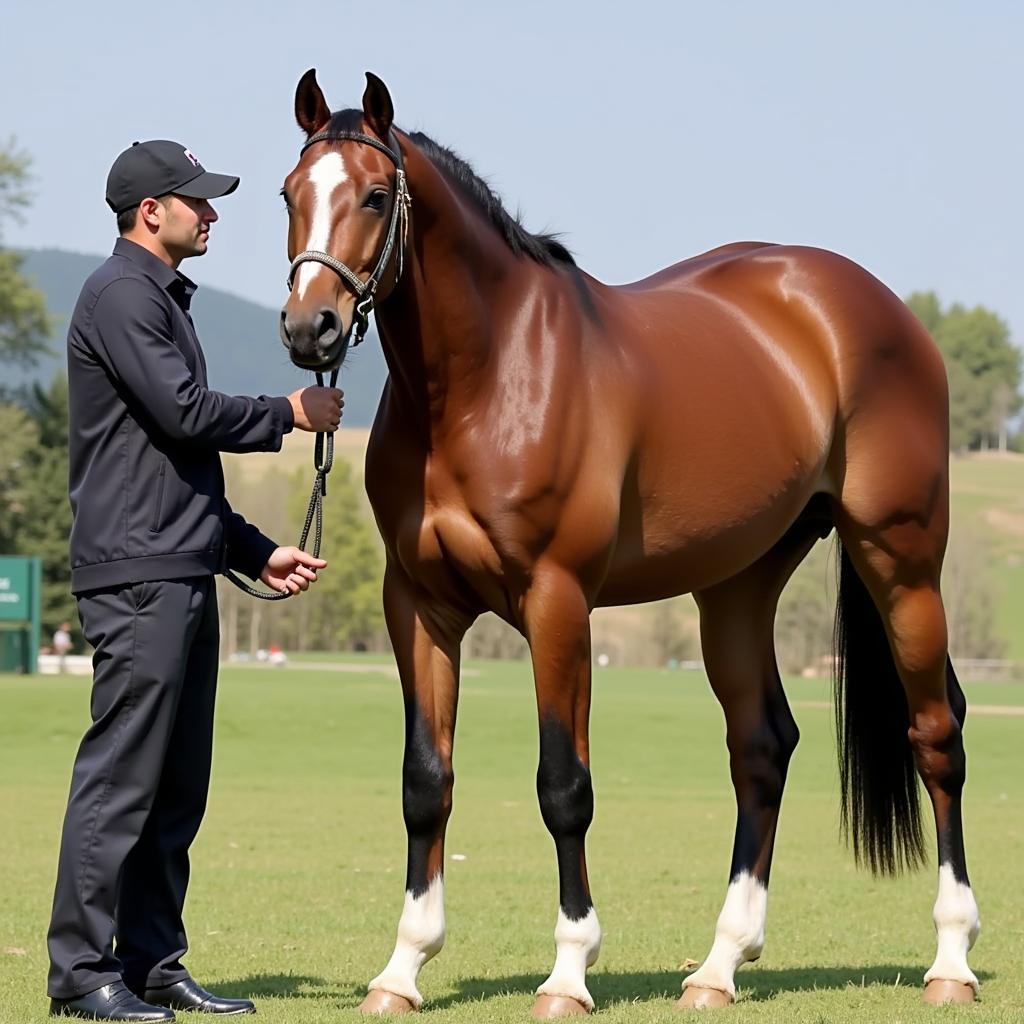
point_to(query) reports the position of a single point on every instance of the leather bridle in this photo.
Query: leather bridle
(394, 243)
(394, 240)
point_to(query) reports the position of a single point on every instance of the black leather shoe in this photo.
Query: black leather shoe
(112, 1002)
(187, 995)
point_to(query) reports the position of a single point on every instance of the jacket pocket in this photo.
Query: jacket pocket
(155, 526)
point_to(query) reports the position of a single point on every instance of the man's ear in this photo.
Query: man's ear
(149, 213)
(311, 110)
(378, 109)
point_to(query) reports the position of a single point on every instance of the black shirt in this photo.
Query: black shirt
(147, 489)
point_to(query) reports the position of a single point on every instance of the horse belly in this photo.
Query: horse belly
(707, 504)
(682, 556)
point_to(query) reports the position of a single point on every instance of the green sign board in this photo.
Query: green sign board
(20, 620)
(15, 589)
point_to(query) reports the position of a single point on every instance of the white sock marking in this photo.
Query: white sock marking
(420, 937)
(326, 175)
(739, 935)
(577, 945)
(957, 925)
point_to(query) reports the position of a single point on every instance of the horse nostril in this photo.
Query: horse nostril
(286, 336)
(327, 326)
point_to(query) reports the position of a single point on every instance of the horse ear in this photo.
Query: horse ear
(311, 110)
(377, 106)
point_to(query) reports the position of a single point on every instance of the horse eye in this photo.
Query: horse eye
(375, 200)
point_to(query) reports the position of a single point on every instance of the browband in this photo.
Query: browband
(327, 135)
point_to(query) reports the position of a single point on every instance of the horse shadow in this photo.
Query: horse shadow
(754, 984)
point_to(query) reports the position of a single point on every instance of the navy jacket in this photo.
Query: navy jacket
(147, 489)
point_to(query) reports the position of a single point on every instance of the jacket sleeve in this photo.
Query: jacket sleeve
(133, 338)
(247, 548)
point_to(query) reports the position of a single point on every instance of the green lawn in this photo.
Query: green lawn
(299, 869)
(987, 495)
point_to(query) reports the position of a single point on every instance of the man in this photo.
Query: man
(151, 529)
(62, 644)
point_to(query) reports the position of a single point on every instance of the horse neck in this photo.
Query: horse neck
(437, 328)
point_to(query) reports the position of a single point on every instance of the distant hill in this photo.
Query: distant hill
(240, 339)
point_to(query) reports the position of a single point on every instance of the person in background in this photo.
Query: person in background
(62, 644)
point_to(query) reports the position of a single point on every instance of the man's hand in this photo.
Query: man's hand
(317, 409)
(290, 570)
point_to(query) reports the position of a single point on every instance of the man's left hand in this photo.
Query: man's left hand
(290, 570)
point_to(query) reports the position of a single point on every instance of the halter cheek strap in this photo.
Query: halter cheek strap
(394, 239)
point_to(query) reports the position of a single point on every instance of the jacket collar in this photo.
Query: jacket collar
(176, 284)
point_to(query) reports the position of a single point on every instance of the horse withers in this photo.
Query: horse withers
(546, 444)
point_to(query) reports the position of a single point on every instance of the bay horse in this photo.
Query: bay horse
(546, 444)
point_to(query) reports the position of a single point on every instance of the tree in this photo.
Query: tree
(970, 597)
(344, 609)
(25, 325)
(38, 504)
(927, 308)
(19, 457)
(984, 369)
(491, 637)
(806, 614)
(672, 637)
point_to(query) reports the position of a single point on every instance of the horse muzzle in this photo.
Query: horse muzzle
(315, 341)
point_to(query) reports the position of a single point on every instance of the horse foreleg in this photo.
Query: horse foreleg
(737, 619)
(558, 629)
(426, 645)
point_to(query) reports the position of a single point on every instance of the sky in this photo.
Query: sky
(644, 132)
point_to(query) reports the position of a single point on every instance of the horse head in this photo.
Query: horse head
(347, 208)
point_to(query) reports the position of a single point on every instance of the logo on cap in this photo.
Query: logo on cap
(191, 157)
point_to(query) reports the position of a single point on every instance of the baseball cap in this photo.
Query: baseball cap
(158, 167)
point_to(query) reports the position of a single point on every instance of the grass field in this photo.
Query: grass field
(298, 871)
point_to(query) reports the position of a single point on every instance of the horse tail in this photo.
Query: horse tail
(881, 811)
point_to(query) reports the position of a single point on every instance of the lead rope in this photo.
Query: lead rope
(323, 461)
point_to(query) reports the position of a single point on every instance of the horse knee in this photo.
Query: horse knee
(563, 784)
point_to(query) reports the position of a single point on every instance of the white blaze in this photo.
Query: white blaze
(420, 937)
(957, 925)
(577, 944)
(739, 935)
(325, 175)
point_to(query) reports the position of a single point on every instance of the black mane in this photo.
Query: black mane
(545, 249)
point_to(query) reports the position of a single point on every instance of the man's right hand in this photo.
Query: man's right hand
(317, 409)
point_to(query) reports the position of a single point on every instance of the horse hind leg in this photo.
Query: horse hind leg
(889, 591)
(737, 619)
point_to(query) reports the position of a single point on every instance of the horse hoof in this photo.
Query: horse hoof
(697, 998)
(553, 1007)
(938, 992)
(380, 1002)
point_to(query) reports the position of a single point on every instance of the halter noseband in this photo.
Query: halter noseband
(397, 229)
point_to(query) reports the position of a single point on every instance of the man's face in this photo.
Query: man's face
(185, 227)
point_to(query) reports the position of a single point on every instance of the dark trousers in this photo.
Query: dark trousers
(139, 786)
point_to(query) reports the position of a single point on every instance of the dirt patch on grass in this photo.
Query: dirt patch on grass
(1006, 521)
